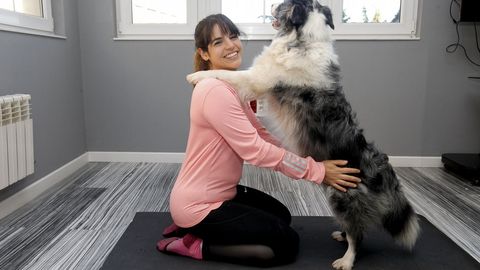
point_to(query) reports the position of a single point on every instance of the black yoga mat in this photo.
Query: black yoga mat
(434, 250)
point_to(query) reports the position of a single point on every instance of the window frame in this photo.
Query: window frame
(24, 23)
(197, 9)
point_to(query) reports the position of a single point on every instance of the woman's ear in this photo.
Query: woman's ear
(203, 54)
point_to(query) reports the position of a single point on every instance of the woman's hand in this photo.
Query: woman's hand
(339, 177)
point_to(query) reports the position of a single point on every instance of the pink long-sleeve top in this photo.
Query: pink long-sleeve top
(224, 133)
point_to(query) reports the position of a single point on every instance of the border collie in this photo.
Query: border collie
(298, 75)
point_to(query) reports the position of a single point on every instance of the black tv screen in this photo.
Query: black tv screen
(470, 11)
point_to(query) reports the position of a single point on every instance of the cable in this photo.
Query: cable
(476, 36)
(454, 46)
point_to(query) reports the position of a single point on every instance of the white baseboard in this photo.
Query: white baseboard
(396, 161)
(32, 191)
(136, 157)
(405, 161)
(24, 196)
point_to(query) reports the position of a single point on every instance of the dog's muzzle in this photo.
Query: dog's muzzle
(275, 21)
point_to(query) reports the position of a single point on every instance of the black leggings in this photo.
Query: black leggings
(250, 218)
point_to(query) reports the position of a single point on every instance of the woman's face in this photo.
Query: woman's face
(224, 52)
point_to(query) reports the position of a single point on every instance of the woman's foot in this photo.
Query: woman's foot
(189, 246)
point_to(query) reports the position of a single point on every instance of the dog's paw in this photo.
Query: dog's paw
(194, 78)
(342, 264)
(337, 235)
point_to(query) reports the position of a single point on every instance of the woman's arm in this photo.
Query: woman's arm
(223, 110)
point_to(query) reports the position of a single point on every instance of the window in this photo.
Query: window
(375, 19)
(145, 11)
(29, 16)
(353, 19)
(156, 19)
(387, 11)
(166, 19)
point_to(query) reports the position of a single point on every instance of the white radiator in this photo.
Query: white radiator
(16, 139)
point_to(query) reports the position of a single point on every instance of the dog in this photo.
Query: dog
(298, 75)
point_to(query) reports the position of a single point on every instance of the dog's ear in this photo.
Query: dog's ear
(298, 15)
(328, 15)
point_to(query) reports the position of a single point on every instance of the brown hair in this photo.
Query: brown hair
(203, 36)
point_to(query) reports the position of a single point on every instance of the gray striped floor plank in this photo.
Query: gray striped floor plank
(76, 226)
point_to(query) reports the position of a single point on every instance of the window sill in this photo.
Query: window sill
(21, 30)
(183, 37)
(374, 37)
(153, 37)
(267, 37)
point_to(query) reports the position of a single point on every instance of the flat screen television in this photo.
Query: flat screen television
(470, 11)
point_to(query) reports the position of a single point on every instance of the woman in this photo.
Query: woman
(215, 217)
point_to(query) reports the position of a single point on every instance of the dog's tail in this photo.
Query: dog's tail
(402, 222)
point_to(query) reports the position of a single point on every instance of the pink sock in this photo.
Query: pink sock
(189, 246)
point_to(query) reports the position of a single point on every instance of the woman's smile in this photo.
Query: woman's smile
(232, 55)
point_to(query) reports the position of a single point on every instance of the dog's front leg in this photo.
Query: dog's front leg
(346, 262)
(240, 80)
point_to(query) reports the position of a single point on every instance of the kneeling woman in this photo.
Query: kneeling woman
(214, 217)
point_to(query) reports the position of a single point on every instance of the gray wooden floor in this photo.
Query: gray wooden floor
(75, 226)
